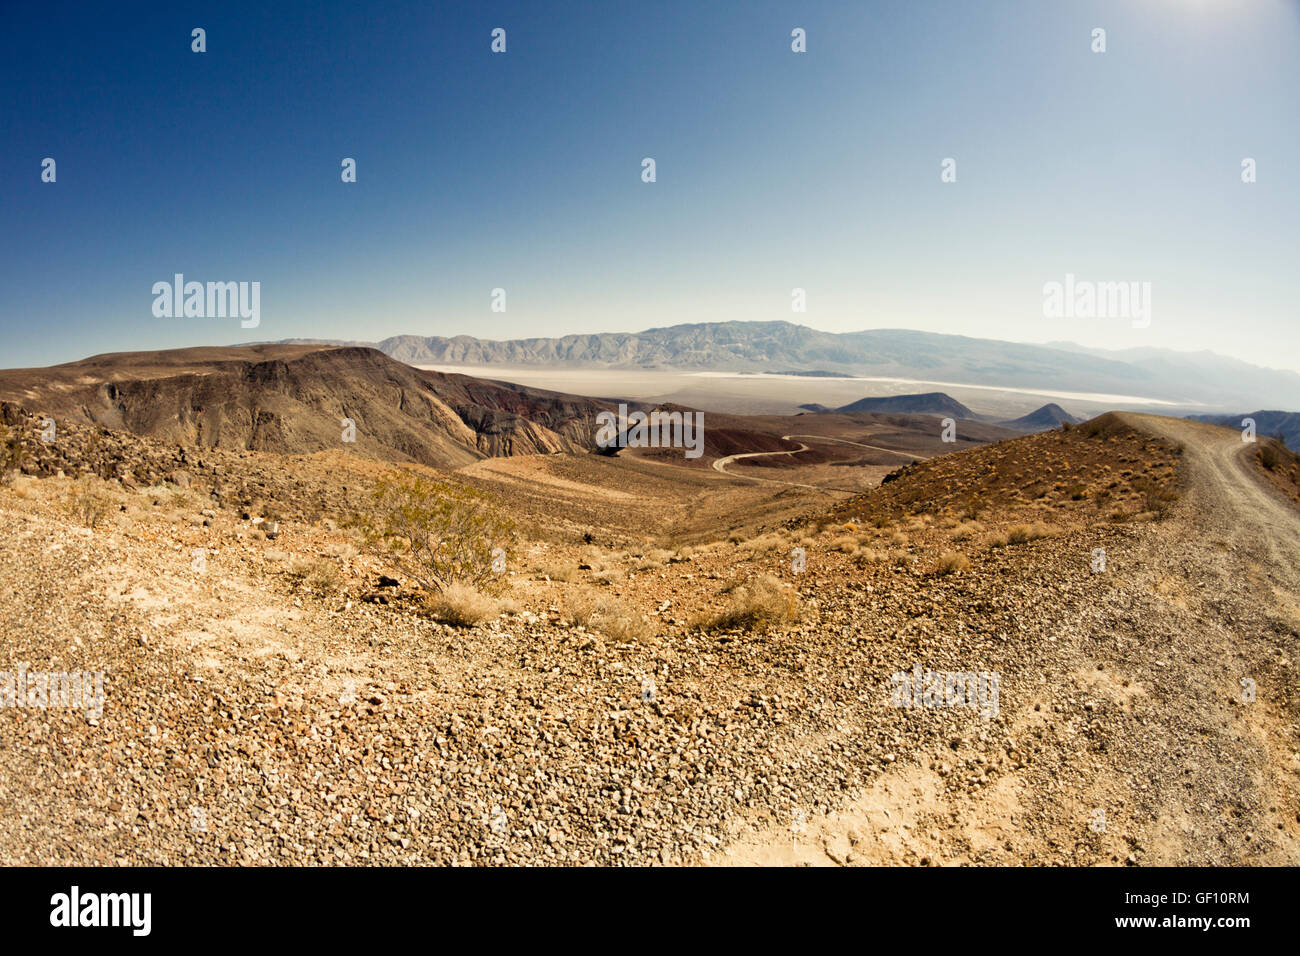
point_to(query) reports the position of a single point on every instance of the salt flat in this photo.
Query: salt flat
(742, 393)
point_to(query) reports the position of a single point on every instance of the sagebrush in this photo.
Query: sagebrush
(437, 532)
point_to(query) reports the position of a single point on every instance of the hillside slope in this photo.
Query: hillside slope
(930, 403)
(1042, 419)
(293, 399)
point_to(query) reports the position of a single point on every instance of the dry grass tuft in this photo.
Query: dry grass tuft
(1021, 533)
(847, 544)
(605, 616)
(564, 571)
(88, 502)
(462, 605)
(752, 604)
(318, 575)
(951, 562)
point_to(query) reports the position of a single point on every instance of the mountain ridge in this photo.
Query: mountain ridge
(1191, 379)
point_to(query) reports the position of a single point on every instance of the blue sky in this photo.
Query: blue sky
(775, 169)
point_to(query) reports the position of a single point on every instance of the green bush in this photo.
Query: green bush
(437, 532)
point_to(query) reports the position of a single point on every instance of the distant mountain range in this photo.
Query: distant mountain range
(1187, 379)
(941, 405)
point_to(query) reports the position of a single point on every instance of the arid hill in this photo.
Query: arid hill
(1042, 419)
(293, 399)
(930, 403)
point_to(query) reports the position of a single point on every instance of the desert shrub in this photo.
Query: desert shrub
(1155, 497)
(181, 500)
(1019, 534)
(950, 562)
(898, 539)
(764, 542)
(559, 570)
(462, 605)
(999, 539)
(751, 604)
(866, 556)
(581, 606)
(600, 560)
(345, 550)
(87, 501)
(319, 575)
(652, 560)
(964, 531)
(846, 543)
(621, 625)
(12, 453)
(437, 532)
(1268, 456)
(611, 618)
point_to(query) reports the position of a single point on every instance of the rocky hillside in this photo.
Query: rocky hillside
(293, 399)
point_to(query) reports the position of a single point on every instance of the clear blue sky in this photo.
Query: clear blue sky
(775, 169)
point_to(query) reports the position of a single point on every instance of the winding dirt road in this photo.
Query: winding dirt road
(721, 464)
(1157, 702)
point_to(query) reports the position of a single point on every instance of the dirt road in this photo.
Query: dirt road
(721, 464)
(1149, 718)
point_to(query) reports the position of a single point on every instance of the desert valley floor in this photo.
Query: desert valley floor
(660, 680)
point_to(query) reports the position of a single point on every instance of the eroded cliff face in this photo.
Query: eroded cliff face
(296, 400)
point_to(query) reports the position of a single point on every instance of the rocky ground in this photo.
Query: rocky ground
(277, 703)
